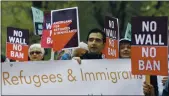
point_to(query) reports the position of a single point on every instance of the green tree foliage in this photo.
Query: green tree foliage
(15, 14)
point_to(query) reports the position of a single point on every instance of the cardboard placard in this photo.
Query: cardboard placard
(111, 28)
(17, 44)
(149, 50)
(46, 40)
(65, 28)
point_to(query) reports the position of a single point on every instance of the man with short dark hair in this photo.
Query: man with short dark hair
(96, 40)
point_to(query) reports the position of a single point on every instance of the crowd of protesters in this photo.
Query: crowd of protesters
(96, 40)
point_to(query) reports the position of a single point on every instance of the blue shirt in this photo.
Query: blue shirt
(66, 56)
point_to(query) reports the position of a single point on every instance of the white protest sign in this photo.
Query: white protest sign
(96, 77)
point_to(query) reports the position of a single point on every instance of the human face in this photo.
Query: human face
(125, 50)
(95, 43)
(36, 55)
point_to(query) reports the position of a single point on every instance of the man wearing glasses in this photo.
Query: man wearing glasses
(96, 40)
(36, 52)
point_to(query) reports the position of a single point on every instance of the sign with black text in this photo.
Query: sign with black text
(17, 44)
(149, 51)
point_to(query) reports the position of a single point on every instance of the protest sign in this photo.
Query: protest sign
(17, 44)
(93, 77)
(46, 40)
(149, 51)
(128, 32)
(65, 28)
(111, 28)
(38, 20)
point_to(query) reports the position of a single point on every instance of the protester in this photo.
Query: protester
(125, 52)
(36, 52)
(96, 40)
(125, 48)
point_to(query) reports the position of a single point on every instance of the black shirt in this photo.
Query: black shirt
(91, 56)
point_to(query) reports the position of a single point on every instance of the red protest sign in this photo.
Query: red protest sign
(111, 50)
(17, 44)
(149, 51)
(61, 38)
(46, 39)
(17, 52)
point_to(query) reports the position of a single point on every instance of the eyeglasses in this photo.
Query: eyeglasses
(37, 52)
(96, 39)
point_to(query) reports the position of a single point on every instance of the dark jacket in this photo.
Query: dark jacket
(166, 89)
(153, 81)
(91, 56)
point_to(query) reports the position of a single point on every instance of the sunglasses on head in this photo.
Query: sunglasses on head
(36, 52)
